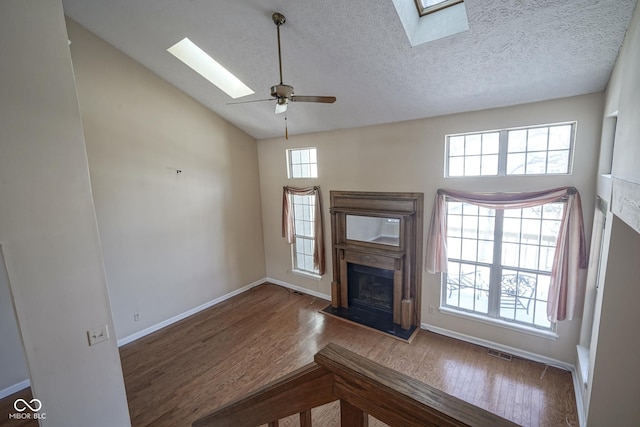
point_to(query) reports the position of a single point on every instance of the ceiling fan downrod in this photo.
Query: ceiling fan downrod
(279, 19)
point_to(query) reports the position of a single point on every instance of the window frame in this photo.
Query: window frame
(310, 206)
(496, 268)
(425, 10)
(311, 166)
(503, 151)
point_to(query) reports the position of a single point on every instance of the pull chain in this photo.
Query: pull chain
(286, 129)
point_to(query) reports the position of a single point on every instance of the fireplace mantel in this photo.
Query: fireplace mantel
(383, 231)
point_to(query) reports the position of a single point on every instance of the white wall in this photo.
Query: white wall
(171, 241)
(611, 394)
(409, 156)
(48, 226)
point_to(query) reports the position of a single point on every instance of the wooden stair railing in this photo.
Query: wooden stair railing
(363, 388)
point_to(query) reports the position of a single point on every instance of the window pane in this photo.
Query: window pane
(558, 162)
(490, 143)
(454, 208)
(485, 252)
(531, 231)
(473, 145)
(470, 226)
(553, 211)
(489, 165)
(486, 226)
(515, 164)
(560, 137)
(537, 139)
(511, 230)
(454, 247)
(469, 209)
(454, 225)
(472, 166)
(456, 166)
(529, 257)
(295, 156)
(536, 163)
(469, 250)
(456, 146)
(510, 254)
(517, 141)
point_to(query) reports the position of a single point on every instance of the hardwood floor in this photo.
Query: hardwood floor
(184, 371)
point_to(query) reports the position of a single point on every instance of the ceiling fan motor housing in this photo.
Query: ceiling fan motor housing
(282, 93)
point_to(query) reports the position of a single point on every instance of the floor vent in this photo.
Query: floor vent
(499, 354)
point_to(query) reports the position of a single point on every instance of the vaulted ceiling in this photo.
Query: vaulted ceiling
(515, 51)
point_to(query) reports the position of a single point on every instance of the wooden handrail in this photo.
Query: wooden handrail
(297, 392)
(362, 386)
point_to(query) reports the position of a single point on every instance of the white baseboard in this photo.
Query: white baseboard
(504, 348)
(298, 288)
(523, 354)
(14, 388)
(174, 319)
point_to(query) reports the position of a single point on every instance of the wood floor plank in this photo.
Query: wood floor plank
(180, 373)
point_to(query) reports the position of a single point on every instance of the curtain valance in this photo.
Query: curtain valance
(570, 255)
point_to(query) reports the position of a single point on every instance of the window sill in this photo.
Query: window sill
(551, 335)
(306, 274)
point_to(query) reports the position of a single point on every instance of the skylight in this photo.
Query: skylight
(430, 6)
(437, 19)
(189, 53)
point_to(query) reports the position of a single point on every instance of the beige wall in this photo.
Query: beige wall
(409, 156)
(48, 226)
(171, 241)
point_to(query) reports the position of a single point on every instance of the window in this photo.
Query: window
(303, 163)
(540, 150)
(430, 6)
(303, 217)
(500, 261)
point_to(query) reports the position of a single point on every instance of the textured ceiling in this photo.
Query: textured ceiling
(515, 51)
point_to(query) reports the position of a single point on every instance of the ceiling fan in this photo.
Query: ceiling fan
(283, 93)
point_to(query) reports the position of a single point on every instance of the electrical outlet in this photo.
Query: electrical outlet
(432, 310)
(136, 317)
(99, 334)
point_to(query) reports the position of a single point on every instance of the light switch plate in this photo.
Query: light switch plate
(99, 334)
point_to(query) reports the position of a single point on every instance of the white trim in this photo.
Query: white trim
(298, 288)
(14, 388)
(578, 387)
(504, 348)
(513, 326)
(523, 354)
(164, 323)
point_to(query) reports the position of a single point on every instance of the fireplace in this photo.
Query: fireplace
(370, 288)
(376, 252)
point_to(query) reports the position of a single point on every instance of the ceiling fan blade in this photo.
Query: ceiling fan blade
(281, 108)
(323, 99)
(247, 102)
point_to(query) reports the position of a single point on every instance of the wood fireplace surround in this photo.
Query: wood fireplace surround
(382, 232)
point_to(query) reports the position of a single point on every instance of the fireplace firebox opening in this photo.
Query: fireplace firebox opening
(370, 288)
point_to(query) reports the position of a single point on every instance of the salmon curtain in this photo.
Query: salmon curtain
(570, 255)
(288, 225)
